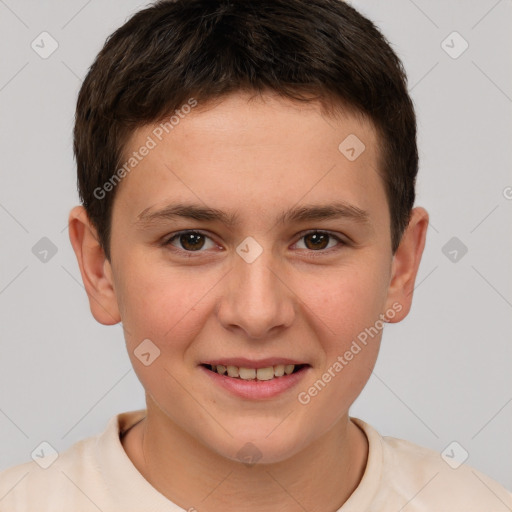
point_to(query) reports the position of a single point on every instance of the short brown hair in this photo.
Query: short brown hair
(301, 49)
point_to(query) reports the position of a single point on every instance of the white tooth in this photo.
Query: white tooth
(279, 370)
(221, 369)
(247, 373)
(265, 373)
(288, 368)
(233, 371)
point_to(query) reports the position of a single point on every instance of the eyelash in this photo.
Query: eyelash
(190, 254)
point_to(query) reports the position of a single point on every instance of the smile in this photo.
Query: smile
(255, 379)
(258, 374)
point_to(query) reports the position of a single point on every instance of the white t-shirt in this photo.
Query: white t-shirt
(96, 474)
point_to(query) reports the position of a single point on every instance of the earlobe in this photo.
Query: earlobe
(94, 268)
(405, 264)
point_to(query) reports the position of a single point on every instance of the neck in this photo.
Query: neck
(319, 478)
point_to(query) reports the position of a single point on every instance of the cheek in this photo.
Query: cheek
(163, 305)
(346, 302)
(349, 330)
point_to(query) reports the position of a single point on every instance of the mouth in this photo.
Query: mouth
(256, 380)
(263, 373)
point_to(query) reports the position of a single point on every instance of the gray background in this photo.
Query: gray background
(444, 373)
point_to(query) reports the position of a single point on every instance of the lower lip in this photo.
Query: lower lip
(257, 389)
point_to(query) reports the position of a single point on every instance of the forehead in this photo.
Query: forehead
(254, 154)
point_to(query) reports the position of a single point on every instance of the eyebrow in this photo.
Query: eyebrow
(338, 210)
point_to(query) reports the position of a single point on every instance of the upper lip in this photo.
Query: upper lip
(242, 362)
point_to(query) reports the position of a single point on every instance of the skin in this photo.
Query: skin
(256, 157)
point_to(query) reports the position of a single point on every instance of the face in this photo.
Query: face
(247, 239)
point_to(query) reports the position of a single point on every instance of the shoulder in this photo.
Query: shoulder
(422, 479)
(71, 480)
(48, 482)
(45, 478)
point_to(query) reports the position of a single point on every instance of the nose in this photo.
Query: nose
(257, 299)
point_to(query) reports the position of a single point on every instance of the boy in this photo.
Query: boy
(247, 176)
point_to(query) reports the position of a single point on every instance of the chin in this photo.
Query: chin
(254, 445)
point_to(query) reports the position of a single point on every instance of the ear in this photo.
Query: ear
(406, 262)
(94, 267)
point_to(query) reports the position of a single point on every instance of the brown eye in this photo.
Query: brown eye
(190, 241)
(316, 240)
(320, 240)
